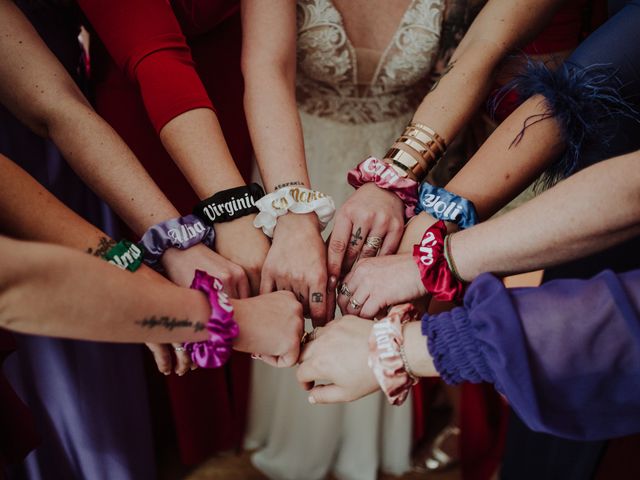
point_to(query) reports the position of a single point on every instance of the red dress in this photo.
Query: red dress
(151, 61)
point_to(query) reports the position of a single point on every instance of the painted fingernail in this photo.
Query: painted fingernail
(312, 400)
(167, 372)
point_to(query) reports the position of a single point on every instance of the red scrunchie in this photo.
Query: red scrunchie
(435, 274)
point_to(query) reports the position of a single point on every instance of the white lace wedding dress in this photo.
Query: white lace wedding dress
(353, 102)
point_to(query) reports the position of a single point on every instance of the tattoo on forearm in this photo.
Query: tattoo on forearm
(316, 297)
(446, 70)
(104, 245)
(289, 184)
(169, 323)
(355, 237)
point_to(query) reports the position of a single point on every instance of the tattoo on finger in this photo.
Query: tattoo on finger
(316, 297)
(356, 237)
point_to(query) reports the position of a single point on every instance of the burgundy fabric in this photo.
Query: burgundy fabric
(209, 406)
(18, 435)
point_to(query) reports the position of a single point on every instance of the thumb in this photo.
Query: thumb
(326, 394)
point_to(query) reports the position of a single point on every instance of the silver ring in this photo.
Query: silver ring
(373, 242)
(354, 304)
(344, 290)
(180, 349)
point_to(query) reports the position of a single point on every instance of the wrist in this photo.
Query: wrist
(294, 222)
(415, 347)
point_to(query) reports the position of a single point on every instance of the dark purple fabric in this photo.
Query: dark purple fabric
(566, 355)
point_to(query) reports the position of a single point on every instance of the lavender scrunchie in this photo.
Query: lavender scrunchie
(182, 233)
(222, 328)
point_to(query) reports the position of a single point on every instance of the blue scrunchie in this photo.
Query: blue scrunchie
(447, 206)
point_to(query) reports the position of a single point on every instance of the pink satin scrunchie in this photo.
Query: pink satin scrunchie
(221, 326)
(384, 176)
(436, 276)
(385, 358)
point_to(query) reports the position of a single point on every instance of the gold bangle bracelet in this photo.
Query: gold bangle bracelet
(449, 258)
(404, 160)
(425, 150)
(399, 170)
(424, 137)
(431, 132)
(421, 167)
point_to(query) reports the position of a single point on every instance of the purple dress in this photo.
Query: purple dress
(89, 400)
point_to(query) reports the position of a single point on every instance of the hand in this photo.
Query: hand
(182, 264)
(244, 245)
(415, 229)
(270, 326)
(380, 282)
(338, 357)
(297, 262)
(162, 356)
(370, 213)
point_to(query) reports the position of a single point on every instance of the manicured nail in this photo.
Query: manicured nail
(167, 372)
(312, 400)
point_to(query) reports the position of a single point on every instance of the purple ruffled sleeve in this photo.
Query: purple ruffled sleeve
(566, 355)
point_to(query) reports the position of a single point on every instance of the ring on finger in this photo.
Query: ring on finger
(373, 242)
(354, 304)
(305, 338)
(180, 349)
(313, 334)
(344, 290)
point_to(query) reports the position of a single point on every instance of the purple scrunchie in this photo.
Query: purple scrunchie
(182, 233)
(222, 328)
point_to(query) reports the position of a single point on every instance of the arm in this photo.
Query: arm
(146, 42)
(37, 89)
(297, 258)
(37, 279)
(499, 28)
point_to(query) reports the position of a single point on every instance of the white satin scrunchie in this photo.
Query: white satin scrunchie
(292, 199)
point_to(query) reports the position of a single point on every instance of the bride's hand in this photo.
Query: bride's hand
(377, 283)
(372, 214)
(297, 262)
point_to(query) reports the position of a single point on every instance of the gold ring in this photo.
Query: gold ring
(180, 349)
(373, 242)
(354, 304)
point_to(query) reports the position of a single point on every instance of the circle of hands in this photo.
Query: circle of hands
(363, 268)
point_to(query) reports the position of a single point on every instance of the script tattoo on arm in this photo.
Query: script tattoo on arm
(104, 245)
(169, 323)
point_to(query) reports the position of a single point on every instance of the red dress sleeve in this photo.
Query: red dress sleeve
(145, 40)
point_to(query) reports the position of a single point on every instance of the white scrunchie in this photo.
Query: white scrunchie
(292, 199)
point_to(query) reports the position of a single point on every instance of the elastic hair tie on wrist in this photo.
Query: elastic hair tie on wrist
(222, 327)
(181, 233)
(125, 255)
(444, 205)
(229, 204)
(385, 176)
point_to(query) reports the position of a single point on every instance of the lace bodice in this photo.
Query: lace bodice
(328, 81)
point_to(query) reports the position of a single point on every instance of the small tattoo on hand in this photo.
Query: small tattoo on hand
(355, 237)
(316, 297)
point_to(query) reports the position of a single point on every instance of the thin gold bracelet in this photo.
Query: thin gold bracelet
(449, 258)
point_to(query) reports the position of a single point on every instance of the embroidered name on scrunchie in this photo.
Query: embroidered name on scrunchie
(229, 204)
(125, 255)
(444, 205)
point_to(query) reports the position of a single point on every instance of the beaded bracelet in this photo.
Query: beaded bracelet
(444, 205)
(292, 199)
(386, 354)
(181, 233)
(222, 327)
(386, 177)
(125, 255)
(436, 276)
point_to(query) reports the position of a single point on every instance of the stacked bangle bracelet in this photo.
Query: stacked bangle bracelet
(386, 177)
(416, 151)
(222, 328)
(444, 205)
(293, 199)
(181, 233)
(386, 354)
(435, 272)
